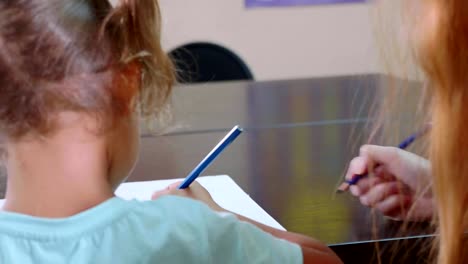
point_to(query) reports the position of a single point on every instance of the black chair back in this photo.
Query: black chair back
(207, 62)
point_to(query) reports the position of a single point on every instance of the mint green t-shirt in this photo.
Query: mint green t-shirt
(168, 230)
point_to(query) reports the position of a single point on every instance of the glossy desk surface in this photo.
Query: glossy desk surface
(299, 136)
(217, 106)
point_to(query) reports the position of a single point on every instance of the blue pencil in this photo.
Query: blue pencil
(228, 139)
(403, 145)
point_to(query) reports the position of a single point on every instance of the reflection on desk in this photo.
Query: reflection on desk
(215, 107)
(291, 172)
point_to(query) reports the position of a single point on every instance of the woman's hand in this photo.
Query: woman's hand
(399, 186)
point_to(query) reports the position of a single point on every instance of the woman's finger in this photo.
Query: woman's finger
(357, 166)
(380, 192)
(381, 171)
(394, 205)
(363, 185)
(381, 154)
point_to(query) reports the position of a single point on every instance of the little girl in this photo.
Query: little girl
(75, 77)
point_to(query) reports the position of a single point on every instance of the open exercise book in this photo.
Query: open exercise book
(222, 188)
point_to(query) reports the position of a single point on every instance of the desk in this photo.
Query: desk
(299, 137)
(291, 172)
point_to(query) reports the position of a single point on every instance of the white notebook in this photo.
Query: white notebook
(222, 188)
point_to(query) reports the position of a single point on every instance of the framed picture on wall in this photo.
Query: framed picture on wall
(273, 3)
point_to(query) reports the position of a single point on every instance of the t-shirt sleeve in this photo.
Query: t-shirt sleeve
(235, 241)
(243, 242)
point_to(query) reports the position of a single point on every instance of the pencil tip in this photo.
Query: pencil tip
(343, 187)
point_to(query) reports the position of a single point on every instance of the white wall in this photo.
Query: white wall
(278, 43)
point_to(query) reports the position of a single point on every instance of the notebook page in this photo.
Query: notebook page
(222, 188)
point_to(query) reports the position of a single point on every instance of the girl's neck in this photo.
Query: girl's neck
(57, 176)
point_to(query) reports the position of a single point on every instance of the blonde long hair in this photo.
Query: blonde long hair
(443, 54)
(438, 37)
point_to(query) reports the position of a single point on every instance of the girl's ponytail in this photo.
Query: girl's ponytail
(134, 30)
(80, 55)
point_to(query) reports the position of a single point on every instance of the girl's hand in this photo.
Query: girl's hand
(196, 191)
(401, 184)
(313, 251)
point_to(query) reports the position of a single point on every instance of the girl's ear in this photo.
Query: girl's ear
(126, 86)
